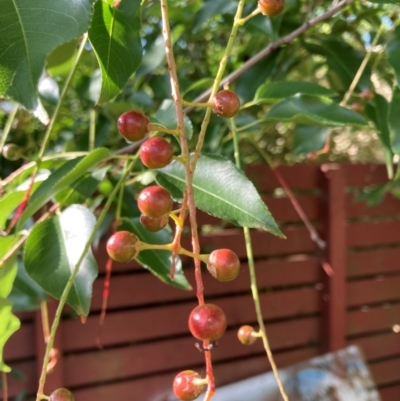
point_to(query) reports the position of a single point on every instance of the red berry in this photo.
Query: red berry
(226, 103)
(11, 152)
(123, 246)
(132, 125)
(156, 152)
(223, 264)
(357, 107)
(186, 385)
(152, 224)
(155, 201)
(245, 335)
(271, 7)
(207, 322)
(367, 94)
(61, 394)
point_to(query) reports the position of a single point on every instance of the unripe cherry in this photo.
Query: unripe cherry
(156, 152)
(61, 394)
(188, 385)
(357, 107)
(245, 335)
(123, 246)
(271, 7)
(226, 103)
(154, 225)
(11, 152)
(207, 322)
(223, 264)
(155, 201)
(132, 125)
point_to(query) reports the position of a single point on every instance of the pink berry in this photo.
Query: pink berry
(132, 125)
(245, 335)
(223, 264)
(155, 202)
(226, 103)
(154, 225)
(156, 152)
(186, 385)
(123, 246)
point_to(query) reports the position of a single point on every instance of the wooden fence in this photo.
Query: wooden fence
(145, 337)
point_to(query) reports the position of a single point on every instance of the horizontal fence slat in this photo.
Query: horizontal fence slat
(21, 344)
(380, 289)
(159, 388)
(373, 233)
(356, 209)
(372, 319)
(170, 320)
(362, 175)
(132, 290)
(386, 372)
(391, 393)
(374, 261)
(130, 361)
(378, 346)
(22, 377)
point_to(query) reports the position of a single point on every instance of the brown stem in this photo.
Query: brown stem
(45, 321)
(5, 386)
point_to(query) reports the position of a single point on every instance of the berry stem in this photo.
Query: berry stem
(243, 20)
(217, 82)
(71, 280)
(253, 279)
(92, 129)
(160, 128)
(192, 104)
(177, 219)
(8, 126)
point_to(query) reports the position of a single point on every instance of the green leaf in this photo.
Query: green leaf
(166, 117)
(393, 121)
(377, 111)
(313, 110)
(158, 262)
(52, 251)
(221, 190)
(9, 324)
(385, 1)
(68, 173)
(393, 53)
(8, 270)
(153, 58)
(273, 92)
(115, 37)
(26, 294)
(309, 138)
(31, 29)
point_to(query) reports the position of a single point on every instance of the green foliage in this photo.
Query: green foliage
(52, 251)
(222, 190)
(31, 29)
(114, 35)
(9, 324)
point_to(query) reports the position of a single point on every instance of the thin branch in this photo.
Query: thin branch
(5, 386)
(271, 47)
(8, 126)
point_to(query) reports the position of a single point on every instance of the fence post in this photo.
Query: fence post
(55, 378)
(334, 290)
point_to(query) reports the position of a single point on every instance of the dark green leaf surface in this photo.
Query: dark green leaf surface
(26, 294)
(393, 120)
(313, 110)
(393, 53)
(9, 324)
(30, 30)
(68, 173)
(52, 251)
(115, 37)
(9, 270)
(309, 138)
(275, 91)
(158, 262)
(221, 190)
(166, 117)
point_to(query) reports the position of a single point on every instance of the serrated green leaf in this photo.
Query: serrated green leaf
(52, 250)
(115, 37)
(313, 110)
(31, 29)
(309, 138)
(273, 92)
(8, 270)
(393, 53)
(158, 262)
(393, 121)
(9, 324)
(26, 294)
(68, 173)
(166, 117)
(221, 190)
